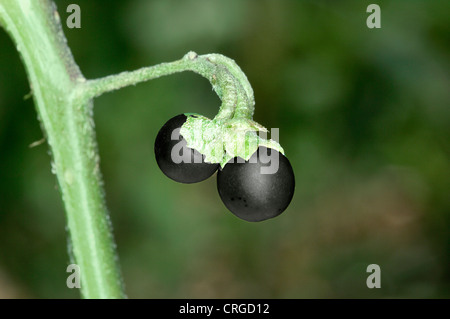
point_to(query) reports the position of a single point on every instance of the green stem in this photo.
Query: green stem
(226, 78)
(66, 117)
(63, 99)
(246, 102)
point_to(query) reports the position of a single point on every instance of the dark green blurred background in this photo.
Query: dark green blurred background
(364, 117)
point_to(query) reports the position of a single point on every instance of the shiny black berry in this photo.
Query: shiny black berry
(177, 161)
(257, 189)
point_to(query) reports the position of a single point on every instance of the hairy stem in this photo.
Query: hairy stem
(67, 121)
(63, 99)
(226, 78)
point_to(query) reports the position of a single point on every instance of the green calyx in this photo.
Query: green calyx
(232, 133)
(223, 139)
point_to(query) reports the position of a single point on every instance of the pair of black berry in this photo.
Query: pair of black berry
(245, 190)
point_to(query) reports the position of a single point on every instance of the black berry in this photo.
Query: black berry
(177, 161)
(257, 189)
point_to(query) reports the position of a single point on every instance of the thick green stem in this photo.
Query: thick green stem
(67, 120)
(63, 99)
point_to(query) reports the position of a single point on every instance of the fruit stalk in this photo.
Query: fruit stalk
(225, 76)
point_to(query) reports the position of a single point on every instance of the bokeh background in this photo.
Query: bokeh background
(364, 117)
